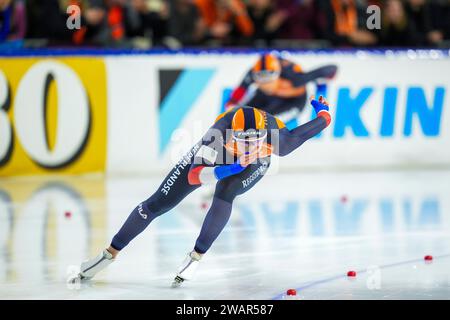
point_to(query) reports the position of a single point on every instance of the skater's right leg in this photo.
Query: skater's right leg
(215, 220)
(218, 215)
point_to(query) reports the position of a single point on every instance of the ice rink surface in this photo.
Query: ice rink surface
(302, 230)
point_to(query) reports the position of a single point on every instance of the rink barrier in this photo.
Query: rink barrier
(134, 111)
(44, 52)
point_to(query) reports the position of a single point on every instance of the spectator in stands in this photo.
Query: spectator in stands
(109, 25)
(185, 23)
(441, 18)
(378, 3)
(47, 19)
(12, 20)
(419, 12)
(300, 19)
(114, 22)
(225, 19)
(396, 29)
(265, 19)
(346, 23)
(94, 14)
(145, 21)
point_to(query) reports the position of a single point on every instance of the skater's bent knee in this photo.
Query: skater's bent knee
(226, 196)
(155, 207)
(226, 192)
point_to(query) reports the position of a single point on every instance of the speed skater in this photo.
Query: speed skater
(278, 86)
(234, 154)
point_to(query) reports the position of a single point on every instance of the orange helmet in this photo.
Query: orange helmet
(267, 68)
(248, 124)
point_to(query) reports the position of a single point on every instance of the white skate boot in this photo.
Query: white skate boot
(91, 267)
(187, 269)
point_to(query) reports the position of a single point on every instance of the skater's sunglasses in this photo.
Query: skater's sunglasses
(251, 141)
(265, 76)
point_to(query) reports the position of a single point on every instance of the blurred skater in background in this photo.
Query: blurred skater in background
(278, 86)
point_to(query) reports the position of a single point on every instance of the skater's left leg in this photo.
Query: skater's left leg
(219, 213)
(216, 219)
(226, 191)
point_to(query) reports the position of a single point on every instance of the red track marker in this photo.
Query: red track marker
(428, 258)
(351, 273)
(291, 292)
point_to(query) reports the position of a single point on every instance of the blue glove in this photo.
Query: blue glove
(319, 106)
(225, 171)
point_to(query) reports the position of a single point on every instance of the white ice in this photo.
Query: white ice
(293, 230)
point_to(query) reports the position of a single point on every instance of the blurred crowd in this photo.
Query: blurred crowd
(222, 23)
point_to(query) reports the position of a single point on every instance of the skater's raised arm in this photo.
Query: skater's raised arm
(240, 91)
(289, 140)
(302, 78)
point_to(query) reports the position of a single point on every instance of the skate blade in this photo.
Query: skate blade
(78, 279)
(177, 282)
